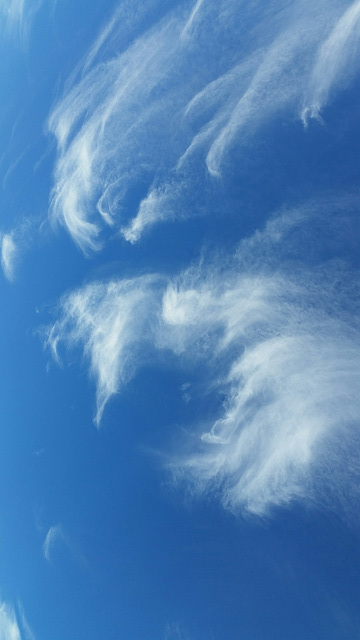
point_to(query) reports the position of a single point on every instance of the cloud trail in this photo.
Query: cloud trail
(134, 116)
(274, 331)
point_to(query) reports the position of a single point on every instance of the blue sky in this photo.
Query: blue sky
(179, 336)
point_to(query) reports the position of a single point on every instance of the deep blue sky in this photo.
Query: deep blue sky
(179, 336)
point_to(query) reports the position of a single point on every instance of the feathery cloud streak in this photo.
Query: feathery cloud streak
(276, 336)
(113, 322)
(15, 243)
(337, 61)
(53, 536)
(285, 339)
(130, 122)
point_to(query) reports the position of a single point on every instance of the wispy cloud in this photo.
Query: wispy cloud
(53, 537)
(8, 255)
(113, 323)
(337, 61)
(130, 123)
(274, 331)
(17, 16)
(26, 629)
(173, 631)
(285, 350)
(9, 628)
(14, 244)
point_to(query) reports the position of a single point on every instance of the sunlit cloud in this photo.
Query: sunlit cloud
(130, 123)
(336, 63)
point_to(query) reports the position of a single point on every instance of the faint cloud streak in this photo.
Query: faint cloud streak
(9, 253)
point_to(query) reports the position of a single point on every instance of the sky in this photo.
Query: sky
(179, 328)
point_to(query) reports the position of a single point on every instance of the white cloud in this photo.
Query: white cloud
(282, 344)
(112, 322)
(274, 330)
(9, 254)
(337, 61)
(14, 244)
(53, 537)
(9, 629)
(131, 122)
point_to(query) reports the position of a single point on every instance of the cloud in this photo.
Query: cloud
(173, 631)
(9, 253)
(274, 331)
(336, 63)
(27, 631)
(283, 346)
(53, 537)
(112, 323)
(145, 104)
(14, 244)
(17, 17)
(9, 628)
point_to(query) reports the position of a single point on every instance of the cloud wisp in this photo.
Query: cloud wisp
(9, 253)
(285, 350)
(112, 322)
(336, 63)
(14, 244)
(9, 627)
(17, 17)
(273, 331)
(130, 124)
(52, 538)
